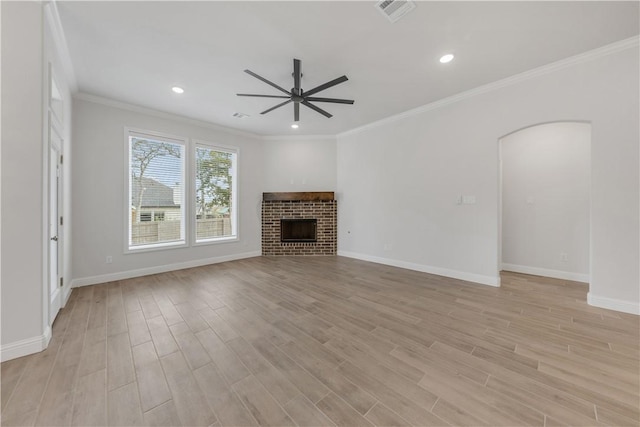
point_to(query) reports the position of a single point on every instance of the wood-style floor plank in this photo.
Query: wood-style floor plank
(262, 405)
(152, 385)
(305, 413)
(123, 406)
(90, 400)
(162, 415)
(328, 341)
(190, 402)
(222, 399)
(340, 412)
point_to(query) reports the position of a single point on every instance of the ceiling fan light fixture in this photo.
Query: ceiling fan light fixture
(295, 126)
(297, 96)
(177, 89)
(446, 58)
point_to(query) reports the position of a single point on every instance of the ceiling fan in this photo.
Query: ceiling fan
(297, 95)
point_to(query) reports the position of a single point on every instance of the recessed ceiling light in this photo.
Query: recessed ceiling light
(294, 126)
(177, 89)
(446, 58)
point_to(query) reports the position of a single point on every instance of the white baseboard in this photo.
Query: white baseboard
(66, 293)
(25, 347)
(461, 275)
(613, 304)
(556, 274)
(122, 275)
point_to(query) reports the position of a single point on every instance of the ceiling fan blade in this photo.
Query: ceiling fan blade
(277, 106)
(297, 75)
(296, 112)
(263, 96)
(333, 100)
(326, 85)
(251, 73)
(319, 110)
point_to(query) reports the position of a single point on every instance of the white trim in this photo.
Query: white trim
(297, 137)
(25, 347)
(104, 278)
(161, 114)
(60, 43)
(184, 143)
(630, 43)
(546, 272)
(454, 274)
(630, 307)
(66, 293)
(151, 247)
(216, 240)
(235, 192)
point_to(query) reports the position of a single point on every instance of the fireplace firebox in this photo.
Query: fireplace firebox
(298, 230)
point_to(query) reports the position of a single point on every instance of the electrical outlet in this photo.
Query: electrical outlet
(564, 257)
(109, 259)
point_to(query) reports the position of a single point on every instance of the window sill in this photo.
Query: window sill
(156, 247)
(217, 240)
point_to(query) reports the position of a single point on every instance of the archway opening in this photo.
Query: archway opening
(545, 201)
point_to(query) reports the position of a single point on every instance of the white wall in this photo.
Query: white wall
(98, 190)
(300, 164)
(22, 175)
(398, 180)
(545, 200)
(54, 51)
(28, 49)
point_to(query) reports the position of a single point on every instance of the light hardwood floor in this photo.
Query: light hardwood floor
(324, 341)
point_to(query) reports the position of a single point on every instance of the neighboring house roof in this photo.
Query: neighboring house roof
(155, 194)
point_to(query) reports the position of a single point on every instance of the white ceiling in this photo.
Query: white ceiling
(136, 51)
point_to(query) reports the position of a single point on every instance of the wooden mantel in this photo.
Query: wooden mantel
(306, 196)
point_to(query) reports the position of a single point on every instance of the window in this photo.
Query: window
(215, 193)
(156, 180)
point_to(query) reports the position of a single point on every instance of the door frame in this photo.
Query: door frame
(53, 121)
(55, 298)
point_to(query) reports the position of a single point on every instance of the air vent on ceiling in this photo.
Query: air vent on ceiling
(395, 9)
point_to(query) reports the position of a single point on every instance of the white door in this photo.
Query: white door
(55, 226)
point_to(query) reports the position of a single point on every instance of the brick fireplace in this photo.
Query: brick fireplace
(302, 223)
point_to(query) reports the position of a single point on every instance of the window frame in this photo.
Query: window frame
(185, 205)
(235, 215)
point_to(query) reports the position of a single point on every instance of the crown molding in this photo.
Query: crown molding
(81, 96)
(60, 43)
(96, 99)
(297, 137)
(619, 46)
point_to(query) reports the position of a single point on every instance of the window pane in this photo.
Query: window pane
(215, 194)
(156, 188)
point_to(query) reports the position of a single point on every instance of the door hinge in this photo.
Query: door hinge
(61, 281)
(60, 220)
(61, 159)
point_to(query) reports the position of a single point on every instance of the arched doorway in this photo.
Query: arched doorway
(545, 201)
